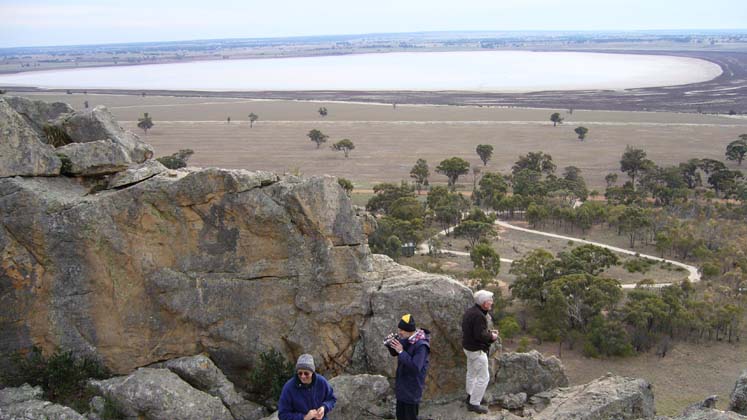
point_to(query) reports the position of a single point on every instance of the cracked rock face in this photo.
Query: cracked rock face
(159, 394)
(738, 400)
(22, 150)
(25, 402)
(231, 263)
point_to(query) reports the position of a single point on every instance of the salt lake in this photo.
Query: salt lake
(488, 71)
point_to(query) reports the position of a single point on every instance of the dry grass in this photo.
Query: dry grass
(389, 141)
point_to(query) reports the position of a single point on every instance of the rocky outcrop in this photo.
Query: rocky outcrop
(232, 263)
(362, 397)
(738, 400)
(36, 114)
(99, 157)
(706, 410)
(159, 394)
(99, 124)
(528, 373)
(136, 173)
(22, 151)
(201, 373)
(147, 265)
(441, 313)
(609, 397)
(25, 402)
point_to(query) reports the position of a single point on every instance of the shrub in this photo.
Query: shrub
(523, 345)
(607, 338)
(177, 160)
(508, 327)
(62, 376)
(269, 375)
(638, 265)
(56, 136)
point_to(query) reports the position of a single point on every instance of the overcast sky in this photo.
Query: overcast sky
(68, 22)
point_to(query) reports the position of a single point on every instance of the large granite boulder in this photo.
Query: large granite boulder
(38, 113)
(529, 373)
(609, 397)
(159, 394)
(228, 262)
(99, 124)
(25, 402)
(94, 158)
(403, 291)
(361, 397)
(738, 400)
(200, 372)
(22, 150)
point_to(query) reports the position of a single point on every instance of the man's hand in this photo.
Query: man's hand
(320, 413)
(311, 415)
(397, 346)
(494, 334)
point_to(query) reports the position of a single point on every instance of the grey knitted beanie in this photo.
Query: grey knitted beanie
(306, 362)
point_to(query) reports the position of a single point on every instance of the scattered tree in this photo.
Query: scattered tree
(581, 131)
(85, 104)
(322, 111)
(634, 163)
(474, 231)
(453, 168)
(737, 149)
(252, 119)
(145, 123)
(317, 137)
(484, 256)
(344, 145)
(556, 119)
(228, 120)
(420, 174)
(485, 151)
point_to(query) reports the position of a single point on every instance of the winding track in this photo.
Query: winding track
(693, 276)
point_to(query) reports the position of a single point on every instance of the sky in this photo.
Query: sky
(73, 22)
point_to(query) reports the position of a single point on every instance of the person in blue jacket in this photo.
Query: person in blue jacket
(412, 347)
(306, 396)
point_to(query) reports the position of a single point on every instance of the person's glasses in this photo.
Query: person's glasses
(304, 374)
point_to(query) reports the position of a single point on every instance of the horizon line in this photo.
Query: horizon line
(351, 35)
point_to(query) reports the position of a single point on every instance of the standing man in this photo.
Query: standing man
(412, 346)
(306, 396)
(476, 341)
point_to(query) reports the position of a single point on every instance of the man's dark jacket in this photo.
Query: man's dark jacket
(412, 366)
(297, 399)
(475, 334)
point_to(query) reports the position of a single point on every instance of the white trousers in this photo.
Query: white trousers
(478, 375)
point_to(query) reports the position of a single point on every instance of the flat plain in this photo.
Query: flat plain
(388, 139)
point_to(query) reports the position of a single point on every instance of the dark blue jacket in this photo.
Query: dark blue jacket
(297, 399)
(412, 366)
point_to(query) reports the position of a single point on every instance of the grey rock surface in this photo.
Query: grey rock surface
(706, 410)
(22, 150)
(609, 397)
(38, 113)
(94, 158)
(159, 394)
(99, 124)
(441, 302)
(530, 373)
(738, 399)
(361, 397)
(200, 372)
(25, 403)
(228, 262)
(513, 401)
(136, 173)
(25, 392)
(458, 410)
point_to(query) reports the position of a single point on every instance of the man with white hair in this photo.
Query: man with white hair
(476, 341)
